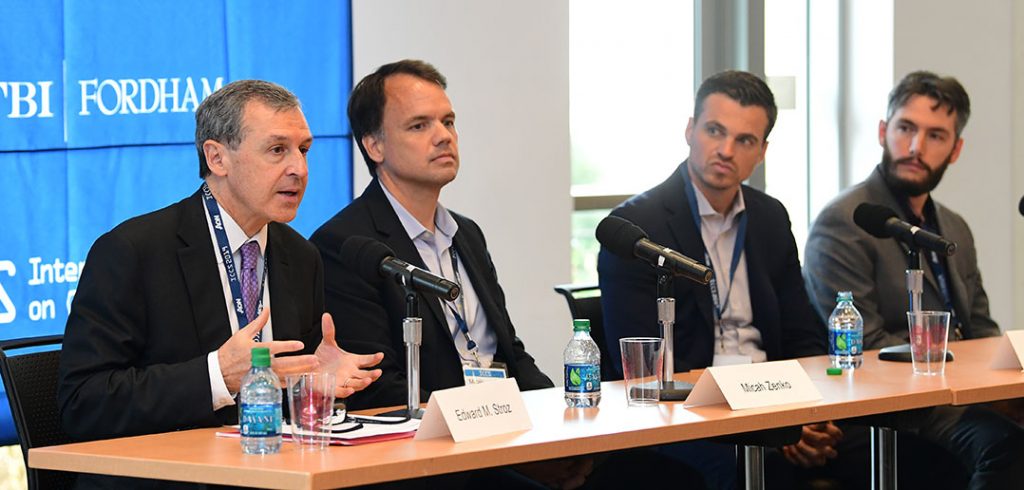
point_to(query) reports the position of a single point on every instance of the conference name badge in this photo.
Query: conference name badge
(475, 411)
(763, 384)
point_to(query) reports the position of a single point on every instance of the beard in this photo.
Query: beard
(908, 187)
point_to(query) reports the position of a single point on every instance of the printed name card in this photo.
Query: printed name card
(1010, 352)
(475, 411)
(763, 384)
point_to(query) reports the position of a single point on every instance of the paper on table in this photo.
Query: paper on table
(372, 430)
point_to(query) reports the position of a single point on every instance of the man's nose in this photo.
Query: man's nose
(442, 134)
(917, 143)
(298, 165)
(727, 148)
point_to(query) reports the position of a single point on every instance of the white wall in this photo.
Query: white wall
(507, 65)
(974, 41)
(1017, 96)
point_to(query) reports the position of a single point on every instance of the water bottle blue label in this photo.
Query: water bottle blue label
(260, 420)
(583, 378)
(846, 342)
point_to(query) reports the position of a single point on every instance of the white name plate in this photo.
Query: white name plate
(1010, 351)
(763, 384)
(475, 411)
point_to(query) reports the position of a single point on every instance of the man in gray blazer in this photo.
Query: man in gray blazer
(920, 138)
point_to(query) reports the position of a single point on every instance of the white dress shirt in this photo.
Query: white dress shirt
(236, 238)
(736, 334)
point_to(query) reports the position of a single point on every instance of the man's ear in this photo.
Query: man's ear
(956, 151)
(882, 126)
(374, 147)
(216, 157)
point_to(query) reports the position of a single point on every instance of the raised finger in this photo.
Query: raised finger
(281, 346)
(254, 327)
(295, 364)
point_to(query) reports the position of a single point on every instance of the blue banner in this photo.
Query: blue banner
(97, 101)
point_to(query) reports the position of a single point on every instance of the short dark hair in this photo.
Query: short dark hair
(945, 91)
(219, 116)
(743, 87)
(366, 104)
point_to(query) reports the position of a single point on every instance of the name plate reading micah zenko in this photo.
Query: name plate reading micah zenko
(475, 411)
(754, 385)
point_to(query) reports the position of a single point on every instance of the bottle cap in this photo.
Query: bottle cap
(260, 357)
(834, 371)
(581, 324)
(844, 296)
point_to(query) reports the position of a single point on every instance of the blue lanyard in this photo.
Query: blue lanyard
(229, 262)
(940, 277)
(737, 249)
(460, 321)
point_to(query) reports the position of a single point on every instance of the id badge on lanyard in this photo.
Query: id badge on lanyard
(473, 374)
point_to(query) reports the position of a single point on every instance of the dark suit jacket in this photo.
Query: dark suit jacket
(369, 315)
(148, 310)
(789, 328)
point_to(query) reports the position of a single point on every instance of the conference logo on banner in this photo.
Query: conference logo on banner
(97, 102)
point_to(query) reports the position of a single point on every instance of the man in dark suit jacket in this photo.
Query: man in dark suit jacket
(151, 343)
(761, 311)
(373, 312)
(781, 312)
(411, 147)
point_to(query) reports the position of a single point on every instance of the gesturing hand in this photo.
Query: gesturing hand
(350, 369)
(235, 356)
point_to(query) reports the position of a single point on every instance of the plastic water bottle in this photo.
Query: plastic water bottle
(582, 368)
(845, 333)
(259, 413)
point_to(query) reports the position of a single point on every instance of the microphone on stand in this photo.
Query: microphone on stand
(882, 222)
(627, 240)
(370, 258)
(373, 260)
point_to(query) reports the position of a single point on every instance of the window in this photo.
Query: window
(630, 97)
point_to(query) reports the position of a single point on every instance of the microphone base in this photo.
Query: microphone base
(901, 353)
(403, 412)
(675, 391)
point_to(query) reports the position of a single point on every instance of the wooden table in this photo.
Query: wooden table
(972, 381)
(199, 456)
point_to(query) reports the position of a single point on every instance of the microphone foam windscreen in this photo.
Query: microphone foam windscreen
(1020, 207)
(872, 217)
(363, 256)
(619, 235)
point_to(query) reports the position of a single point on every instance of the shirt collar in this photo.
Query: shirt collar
(237, 237)
(444, 224)
(705, 209)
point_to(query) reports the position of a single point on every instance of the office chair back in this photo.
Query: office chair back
(31, 383)
(582, 304)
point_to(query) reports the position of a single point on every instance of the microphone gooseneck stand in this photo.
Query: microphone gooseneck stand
(670, 390)
(412, 333)
(883, 439)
